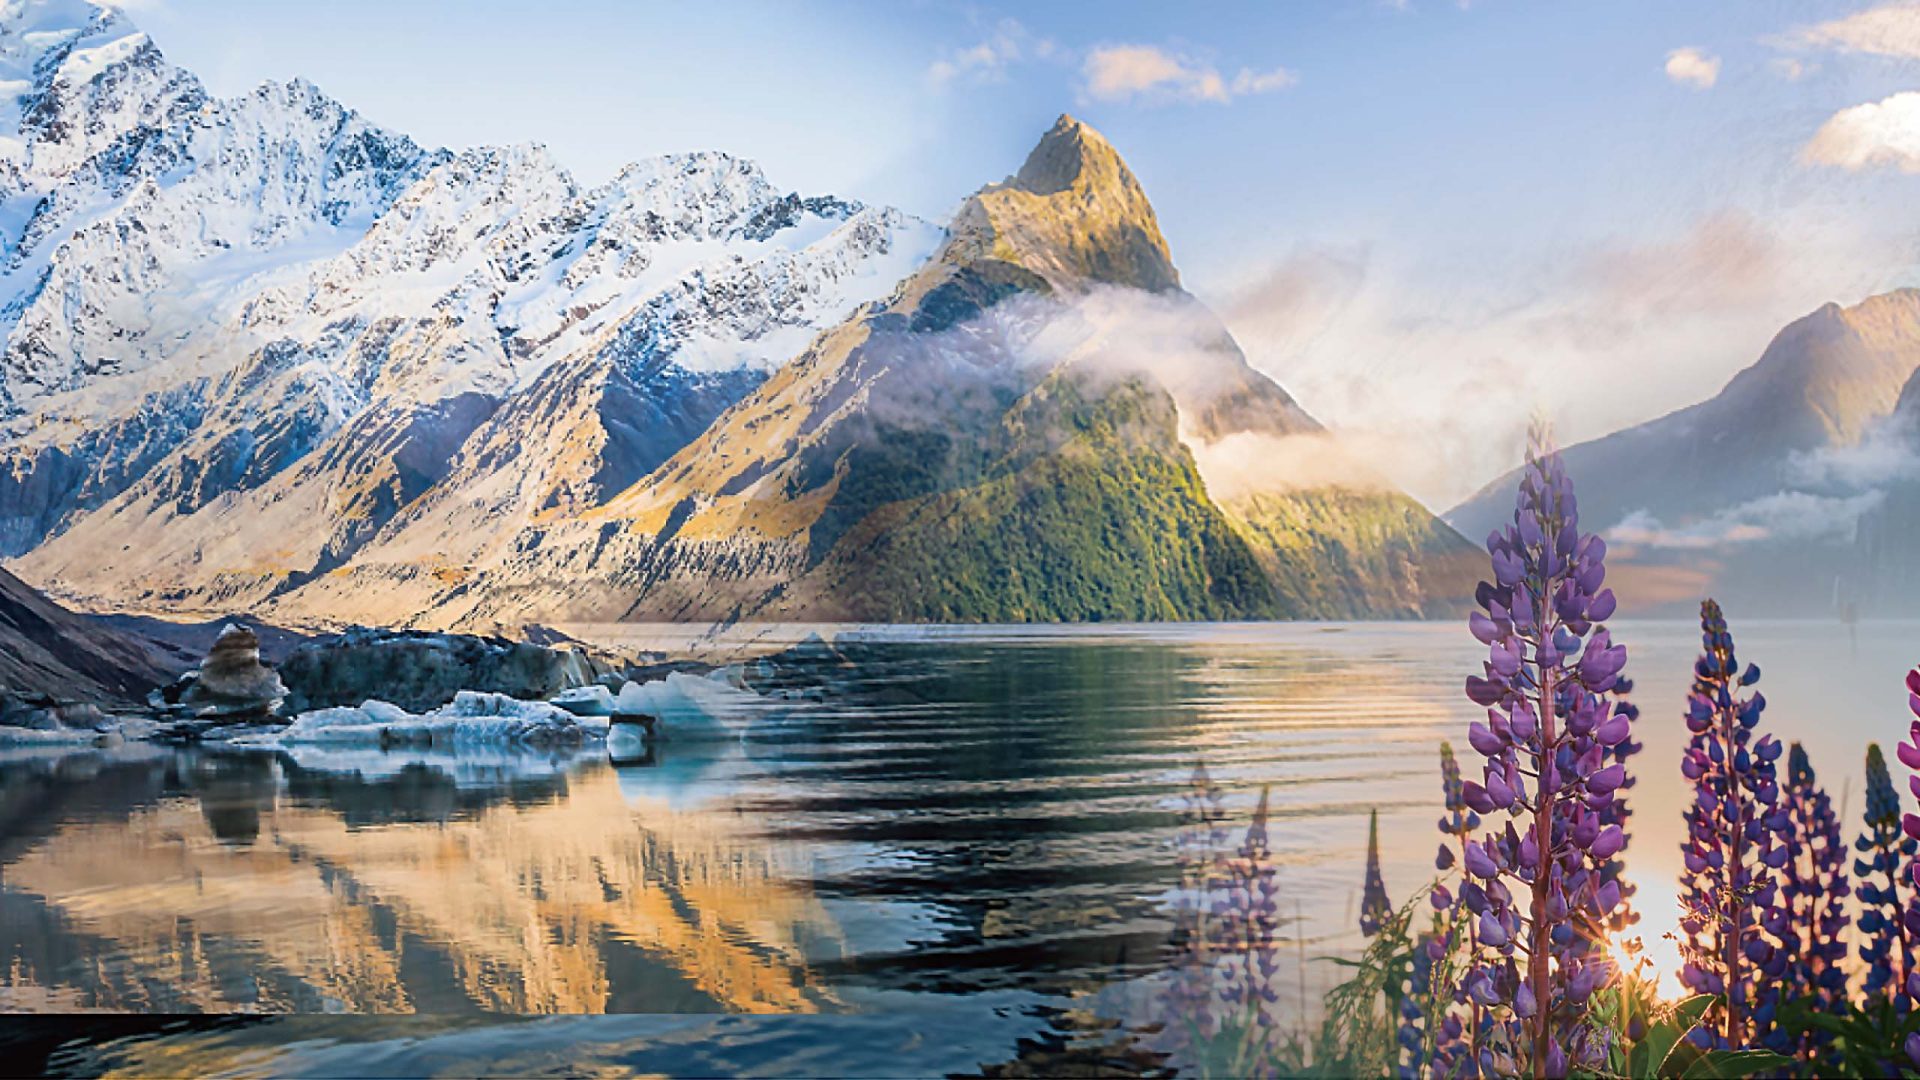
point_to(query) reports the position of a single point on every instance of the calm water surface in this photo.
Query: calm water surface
(952, 853)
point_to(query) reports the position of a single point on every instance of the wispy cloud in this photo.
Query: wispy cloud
(1597, 334)
(1791, 68)
(1151, 73)
(1886, 132)
(1785, 515)
(1692, 67)
(1887, 30)
(987, 61)
(1724, 262)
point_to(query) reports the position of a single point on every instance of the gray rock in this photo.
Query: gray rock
(233, 682)
(421, 671)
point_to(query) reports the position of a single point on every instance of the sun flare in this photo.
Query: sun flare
(1652, 947)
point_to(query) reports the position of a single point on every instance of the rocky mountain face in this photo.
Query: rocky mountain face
(242, 336)
(1011, 435)
(1774, 494)
(260, 354)
(46, 650)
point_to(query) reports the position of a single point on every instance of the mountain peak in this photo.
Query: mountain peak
(1074, 214)
(1844, 366)
(1071, 153)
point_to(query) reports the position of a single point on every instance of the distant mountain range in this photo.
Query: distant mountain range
(261, 354)
(1794, 491)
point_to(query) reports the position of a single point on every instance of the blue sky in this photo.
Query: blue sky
(1428, 220)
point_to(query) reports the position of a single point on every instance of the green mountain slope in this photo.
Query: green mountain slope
(1106, 520)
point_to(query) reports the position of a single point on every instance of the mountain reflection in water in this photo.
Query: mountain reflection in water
(950, 849)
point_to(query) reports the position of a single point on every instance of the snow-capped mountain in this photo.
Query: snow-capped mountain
(1023, 430)
(227, 320)
(261, 354)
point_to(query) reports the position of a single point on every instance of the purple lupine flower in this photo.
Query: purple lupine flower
(1882, 883)
(1909, 753)
(1410, 1030)
(1247, 916)
(1544, 889)
(1814, 884)
(1375, 907)
(1453, 1038)
(1738, 838)
(1616, 734)
(1225, 958)
(1189, 1002)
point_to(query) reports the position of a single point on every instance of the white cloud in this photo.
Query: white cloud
(1008, 44)
(1251, 463)
(1888, 30)
(1725, 261)
(1885, 132)
(1884, 455)
(1693, 67)
(1125, 72)
(1249, 81)
(1785, 515)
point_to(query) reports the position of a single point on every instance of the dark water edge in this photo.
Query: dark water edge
(1065, 1044)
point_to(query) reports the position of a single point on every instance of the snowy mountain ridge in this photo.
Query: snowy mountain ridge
(259, 354)
(202, 299)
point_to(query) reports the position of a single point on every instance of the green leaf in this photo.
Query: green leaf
(1663, 1037)
(1732, 1064)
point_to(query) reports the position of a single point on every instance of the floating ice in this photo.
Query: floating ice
(692, 706)
(472, 718)
(595, 700)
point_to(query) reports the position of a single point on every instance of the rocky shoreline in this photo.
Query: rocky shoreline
(370, 686)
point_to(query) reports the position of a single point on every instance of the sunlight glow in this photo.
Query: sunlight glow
(1653, 946)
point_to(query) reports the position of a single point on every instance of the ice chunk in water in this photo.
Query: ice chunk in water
(693, 706)
(472, 717)
(593, 700)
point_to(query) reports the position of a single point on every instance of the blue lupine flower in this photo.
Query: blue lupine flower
(1883, 883)
(1375, 907)
(1814, 887)
(1738, 839)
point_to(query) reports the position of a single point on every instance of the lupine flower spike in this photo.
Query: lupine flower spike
(1815, 888)
(1538, 887)
(1737, 831)
(1224, 981)
(1248, 915)
(1437, 1028)
(1375, 907)
(1909, 752)
(1883, 886)
(1190, 999)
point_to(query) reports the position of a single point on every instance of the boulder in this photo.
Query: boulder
(233, 683)
(38, 718)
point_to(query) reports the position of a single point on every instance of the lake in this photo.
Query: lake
(950, 854)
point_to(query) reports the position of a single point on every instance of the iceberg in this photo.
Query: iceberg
(473, 717)
(595, 700)
(693, 707)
